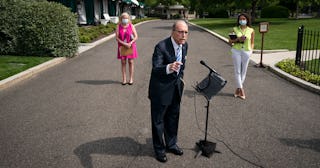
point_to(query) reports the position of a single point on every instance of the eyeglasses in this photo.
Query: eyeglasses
(182, 32)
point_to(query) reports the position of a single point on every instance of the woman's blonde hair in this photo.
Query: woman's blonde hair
(123, 15)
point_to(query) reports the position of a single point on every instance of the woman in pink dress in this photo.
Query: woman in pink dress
(126, 36)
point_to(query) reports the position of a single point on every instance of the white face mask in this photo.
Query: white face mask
(242, 22)
(125, 21)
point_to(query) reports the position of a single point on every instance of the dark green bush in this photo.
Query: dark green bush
(38, 28)
(85, 39)
(90, 33)
(176, 16)
(218, 13)
(275, 12)
(289, 66)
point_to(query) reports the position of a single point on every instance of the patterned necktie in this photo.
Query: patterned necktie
(179, 56)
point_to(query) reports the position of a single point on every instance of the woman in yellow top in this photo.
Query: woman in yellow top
(242, 47)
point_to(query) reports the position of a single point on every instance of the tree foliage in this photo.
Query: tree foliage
(154, 3)
(237, 6)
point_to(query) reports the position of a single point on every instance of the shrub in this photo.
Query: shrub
(218, 13)
(289, 66)
(91, 33)
(85, 39)
(38, 28)
(88, 34)
(275, 12)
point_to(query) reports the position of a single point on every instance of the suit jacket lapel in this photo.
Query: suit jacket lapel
(171, 49)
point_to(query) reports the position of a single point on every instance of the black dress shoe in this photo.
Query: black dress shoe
(161, 158)
(175, 150)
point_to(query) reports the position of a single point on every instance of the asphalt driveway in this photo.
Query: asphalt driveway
(77, 114)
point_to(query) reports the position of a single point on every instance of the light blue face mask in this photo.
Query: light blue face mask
(242, 22)
(125, 21)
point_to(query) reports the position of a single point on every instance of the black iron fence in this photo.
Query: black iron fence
(308, 50)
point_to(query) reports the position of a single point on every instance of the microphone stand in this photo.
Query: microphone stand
(207, 148)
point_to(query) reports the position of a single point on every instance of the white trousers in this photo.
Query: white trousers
(240, 61)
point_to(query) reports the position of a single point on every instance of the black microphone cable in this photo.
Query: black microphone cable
(224, 143)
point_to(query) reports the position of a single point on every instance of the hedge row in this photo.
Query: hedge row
(91, 33)
(275, 12)
(38, 28)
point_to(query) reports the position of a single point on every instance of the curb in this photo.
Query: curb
(304, 84)
(307, 85)
(211, 32)
(87, 46)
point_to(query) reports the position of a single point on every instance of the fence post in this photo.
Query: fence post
(299, 45)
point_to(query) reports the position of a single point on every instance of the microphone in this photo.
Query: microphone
(204, 64)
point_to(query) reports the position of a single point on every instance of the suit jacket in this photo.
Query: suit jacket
(162, 86)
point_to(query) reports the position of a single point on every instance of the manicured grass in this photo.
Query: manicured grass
(282, 33)
(11, 65)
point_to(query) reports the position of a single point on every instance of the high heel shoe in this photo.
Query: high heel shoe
(236, 94)
(242, 97)
(130, 82)
(241, 94)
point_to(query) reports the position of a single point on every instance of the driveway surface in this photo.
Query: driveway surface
(78, 115)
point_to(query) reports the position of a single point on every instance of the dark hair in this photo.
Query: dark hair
(246, 16)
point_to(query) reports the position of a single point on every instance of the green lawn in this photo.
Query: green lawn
(282, 33)
(11, 65)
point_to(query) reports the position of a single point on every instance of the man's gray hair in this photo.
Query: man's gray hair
(176, 22)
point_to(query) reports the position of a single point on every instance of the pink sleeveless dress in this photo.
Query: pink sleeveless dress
(125, 35)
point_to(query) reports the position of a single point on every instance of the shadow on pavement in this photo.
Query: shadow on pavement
(191, 28)
(313, 144)
(163, 27)
(112, 146)
(192, 93)
(98, 82)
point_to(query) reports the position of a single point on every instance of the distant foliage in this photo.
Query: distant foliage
(275, 12)
(176, 16)
(218, 13)
(38, 28)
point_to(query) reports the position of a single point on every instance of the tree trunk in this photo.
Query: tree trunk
(297, 10)
(253, 10)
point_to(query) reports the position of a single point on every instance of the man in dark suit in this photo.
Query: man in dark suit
(166, 88)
